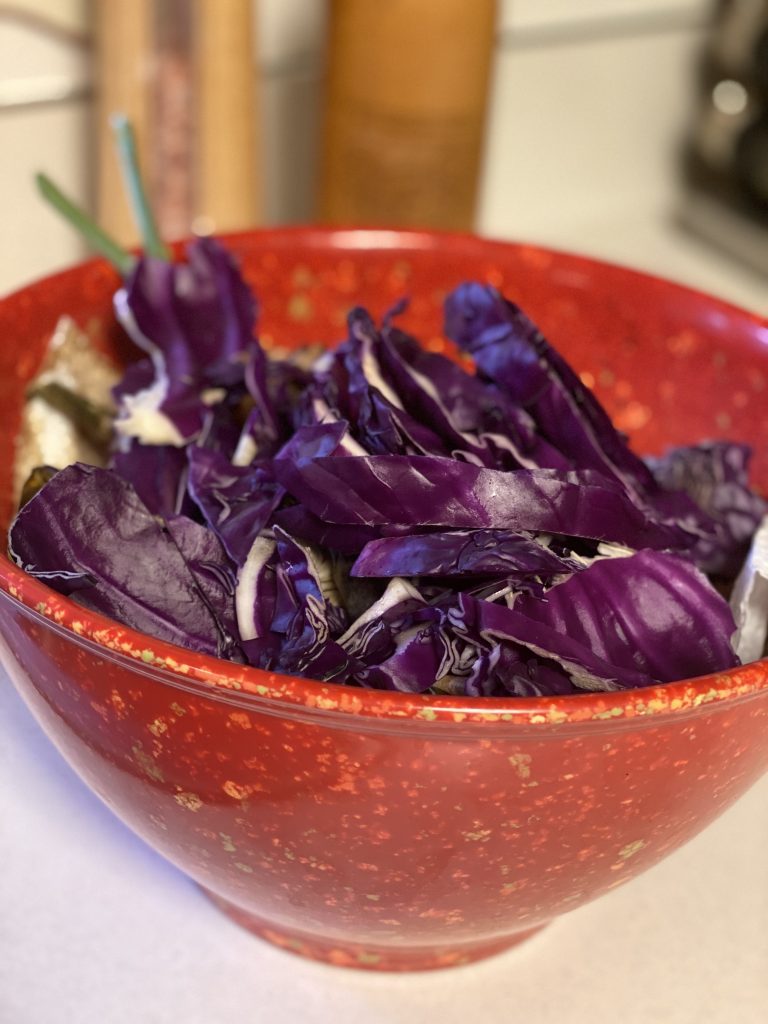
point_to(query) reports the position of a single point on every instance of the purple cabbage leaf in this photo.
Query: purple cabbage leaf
(236, 501)
(510, 350)
(650, 612)
(517, 557)
(196, 321)
(424, 491)
(295, 584)
(86, 524)
(476, 420)
(158, 472)
(714, 474)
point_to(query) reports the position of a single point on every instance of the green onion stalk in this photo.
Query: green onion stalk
(96, 238)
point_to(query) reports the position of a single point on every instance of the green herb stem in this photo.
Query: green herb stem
(81, 222)
(142, 212)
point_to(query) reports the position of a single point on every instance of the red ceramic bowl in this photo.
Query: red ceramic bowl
(386, 830)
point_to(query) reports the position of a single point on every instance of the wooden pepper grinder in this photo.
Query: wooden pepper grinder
(405, 110)
(185, 73)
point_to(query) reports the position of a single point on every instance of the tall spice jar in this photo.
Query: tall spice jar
(404, 113)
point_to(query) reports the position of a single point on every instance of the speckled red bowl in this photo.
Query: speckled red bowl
(385, 830)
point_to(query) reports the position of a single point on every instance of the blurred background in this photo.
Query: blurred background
(635, 130)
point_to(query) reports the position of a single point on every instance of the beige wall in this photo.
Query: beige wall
(588, 106)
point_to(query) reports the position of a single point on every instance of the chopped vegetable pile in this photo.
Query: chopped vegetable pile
(379, 515)
(387, 518)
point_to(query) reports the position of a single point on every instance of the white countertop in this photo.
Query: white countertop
(97, 929)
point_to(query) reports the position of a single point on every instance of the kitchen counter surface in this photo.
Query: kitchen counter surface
(96, 929)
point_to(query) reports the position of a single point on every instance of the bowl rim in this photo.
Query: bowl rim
(295, 696)
(257, 689)
(361, 238)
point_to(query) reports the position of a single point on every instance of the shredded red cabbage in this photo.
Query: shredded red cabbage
(387, 518)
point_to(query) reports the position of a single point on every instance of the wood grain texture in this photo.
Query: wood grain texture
(123, 73)
(229, 181)
(405, 106)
